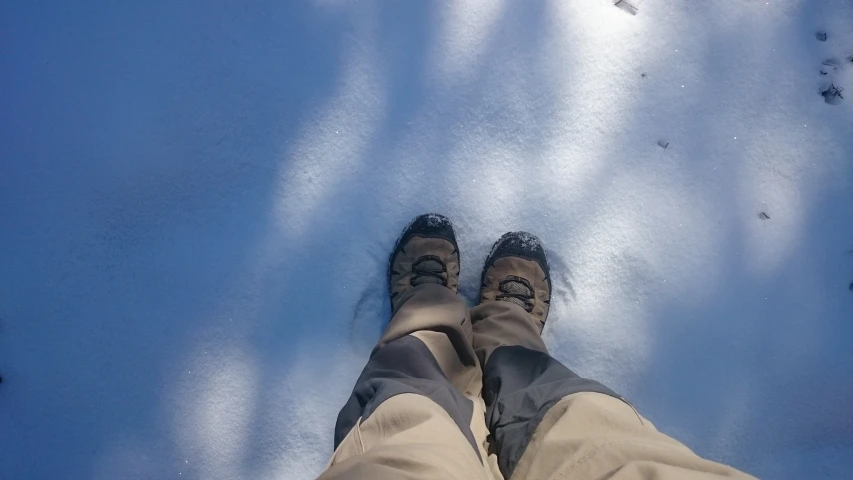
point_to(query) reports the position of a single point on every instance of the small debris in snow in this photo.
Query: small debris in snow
(663, 144)
(821, 36)
(829, 65)
(832, 94)
(643, 74)
(623, 5)
(763, 216)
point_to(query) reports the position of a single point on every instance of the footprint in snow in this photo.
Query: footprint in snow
(371, 314)
(562, 289)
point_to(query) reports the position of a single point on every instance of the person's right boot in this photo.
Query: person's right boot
(517, 272)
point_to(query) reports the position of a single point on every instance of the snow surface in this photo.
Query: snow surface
(197, 201)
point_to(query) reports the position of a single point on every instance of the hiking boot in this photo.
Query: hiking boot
(517, 272)
(426, 253)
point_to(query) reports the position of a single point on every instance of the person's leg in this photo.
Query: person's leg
(416, 411)
(546, 421)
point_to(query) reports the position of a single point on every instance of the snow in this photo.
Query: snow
(197, 202)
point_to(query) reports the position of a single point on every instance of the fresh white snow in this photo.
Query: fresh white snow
(197, 201)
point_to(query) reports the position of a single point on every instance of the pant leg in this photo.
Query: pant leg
(546, 422)
(416, 410)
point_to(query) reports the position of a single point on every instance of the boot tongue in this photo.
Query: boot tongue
(513, 287)
(429, 269)
(516, 292)
(516, 301)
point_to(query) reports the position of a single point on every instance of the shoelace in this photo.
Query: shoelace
(516, 290)
(429, 269)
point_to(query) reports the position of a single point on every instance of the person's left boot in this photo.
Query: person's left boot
(426, 253)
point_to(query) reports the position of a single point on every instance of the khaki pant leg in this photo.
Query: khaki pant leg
(521, 381)
(409, 436)
(546, 422)
(595, 436)
(416, 409)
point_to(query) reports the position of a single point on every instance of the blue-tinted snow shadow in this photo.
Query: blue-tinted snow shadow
(765, 357)
(140, 151)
